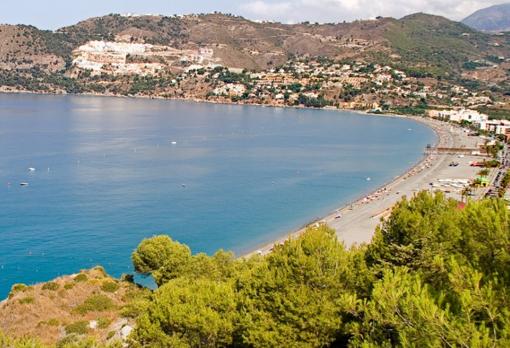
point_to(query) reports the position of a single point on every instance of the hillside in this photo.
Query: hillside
(240, 43)
(25, 47)
(89, 303)
(491, 19)
(436, 41)
(383, 63)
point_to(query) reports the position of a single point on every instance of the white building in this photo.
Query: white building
(230, 89)
(472, 116)
(501, 127)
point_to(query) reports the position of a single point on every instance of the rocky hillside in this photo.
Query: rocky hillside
(491, 19)
(25, 47)
(89, 304)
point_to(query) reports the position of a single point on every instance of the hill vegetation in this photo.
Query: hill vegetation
(385, 64)
(435, 45)
(434, 276)
(87, 307)
(418, 39)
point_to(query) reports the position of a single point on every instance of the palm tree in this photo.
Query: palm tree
(466, 191)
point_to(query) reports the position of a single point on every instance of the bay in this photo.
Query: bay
(112, 171)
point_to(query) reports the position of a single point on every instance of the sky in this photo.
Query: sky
(53, 14)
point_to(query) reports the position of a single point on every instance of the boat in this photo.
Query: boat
(23, 184)
(31, 169)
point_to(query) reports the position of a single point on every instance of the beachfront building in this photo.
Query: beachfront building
(498, 127)
(461, 115)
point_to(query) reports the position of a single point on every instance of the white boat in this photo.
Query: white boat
(174, 142)
(31, 169)
(23, 184)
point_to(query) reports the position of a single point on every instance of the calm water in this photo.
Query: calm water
(107, 175)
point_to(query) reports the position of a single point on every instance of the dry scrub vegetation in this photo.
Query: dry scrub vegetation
(90, 303)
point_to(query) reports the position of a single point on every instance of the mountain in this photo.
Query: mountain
(178, 57)
(416, 40)
(491, 19)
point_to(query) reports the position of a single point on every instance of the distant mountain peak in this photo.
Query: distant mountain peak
(491, 19)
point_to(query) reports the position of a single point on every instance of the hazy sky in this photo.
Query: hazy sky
(51, 14)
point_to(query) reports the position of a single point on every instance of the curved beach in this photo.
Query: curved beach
(355, 223)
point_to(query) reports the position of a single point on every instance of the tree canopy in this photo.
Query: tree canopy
(435, 275)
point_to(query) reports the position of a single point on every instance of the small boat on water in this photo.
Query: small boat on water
(23, 184)
(31, 169)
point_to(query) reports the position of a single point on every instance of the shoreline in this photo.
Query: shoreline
(266, 248)
(199, 100)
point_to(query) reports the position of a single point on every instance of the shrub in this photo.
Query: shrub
(81, 278)
(16, 288)
(127, 278)
(68, 286)
(49, 322)
(27, 300)
(101, 270)
(109, 286)
(52, 286)
(53, 322)
(95, 303)
(103, 323)
(79, 327)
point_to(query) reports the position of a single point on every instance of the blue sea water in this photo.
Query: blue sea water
(107, 174)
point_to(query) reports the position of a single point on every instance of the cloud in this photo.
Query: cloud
(348, 10)
(262, 8)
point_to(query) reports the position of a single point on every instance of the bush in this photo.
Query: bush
(101, 270)
(491, 164)
(68, 286)
(52, 286)
(79, 327)
(49, 322)
(95, 303)
(127, 278)
(81, 278)
(27, 300)
(109, 286)
(18, 288)
(53, 322)
(103, 323)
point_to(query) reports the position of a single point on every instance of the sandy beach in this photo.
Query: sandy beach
(355, 223)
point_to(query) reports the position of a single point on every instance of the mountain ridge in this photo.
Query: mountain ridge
(491, 19)
(369, 64)
(256, 46)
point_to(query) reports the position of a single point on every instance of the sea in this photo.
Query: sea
(83, 180)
